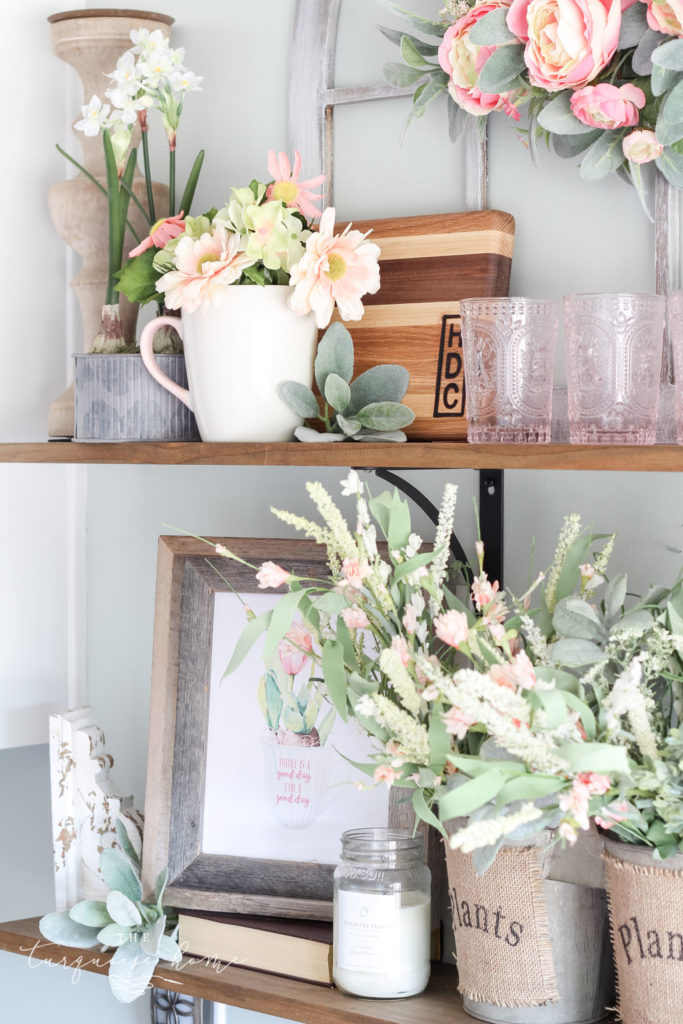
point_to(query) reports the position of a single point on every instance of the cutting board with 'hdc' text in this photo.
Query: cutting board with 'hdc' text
(427, 265)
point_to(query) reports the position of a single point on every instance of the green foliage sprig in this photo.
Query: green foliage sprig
(367, 408)
(140, 933)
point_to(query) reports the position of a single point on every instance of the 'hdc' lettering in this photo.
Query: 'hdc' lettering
(449, 399)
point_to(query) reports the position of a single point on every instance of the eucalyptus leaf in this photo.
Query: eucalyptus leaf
(400, 75)
(662, 80)
(334, 355)
(60, 928)
(642, 57)
(411, 55)
(331, 602)
(309, 436)
(633, 26)
(248, 637)
(569, 146)
(425, 813)
(337, 392)
(576, 652)
(492, 29)
(92, 913)
(387, 382)
(430, 28)
(122, 910)
(463, 799)
(360, 685)
(603, 157)
(130, 972)
(325, 726)
(457, 119)
(528, 787)
(395, 36)
(385, 416)
(670, 163)
(114, 935)
(119, 876)
(557, 117)
(299, 398)
(669, 55)
(283, 613)
(615, 595)
(501, 69)
(576, 618)
(604, 758)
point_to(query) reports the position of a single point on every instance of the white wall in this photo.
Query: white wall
(570, 236)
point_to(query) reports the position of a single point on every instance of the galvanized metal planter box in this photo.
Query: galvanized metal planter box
(116, 399)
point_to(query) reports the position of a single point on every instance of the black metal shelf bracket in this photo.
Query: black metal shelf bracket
(491, 503)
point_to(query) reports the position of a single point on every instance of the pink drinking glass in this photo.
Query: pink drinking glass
(614, 355)
(508, 350)
(675, 310)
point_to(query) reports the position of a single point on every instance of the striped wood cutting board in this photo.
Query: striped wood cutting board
(427, 265)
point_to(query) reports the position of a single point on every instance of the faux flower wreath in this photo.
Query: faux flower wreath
(601, 78)
(263, 235)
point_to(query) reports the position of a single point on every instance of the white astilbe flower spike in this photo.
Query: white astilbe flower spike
(536, 642)
(313, 530)
(444, 529)
(401, 680)
(601, 560)
(340, 536)
(628, 699)
(410, 735)
(571, 528)
(485, 833)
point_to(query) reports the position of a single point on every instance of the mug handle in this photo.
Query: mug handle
(147, 354)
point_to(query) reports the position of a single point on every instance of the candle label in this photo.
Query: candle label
(368, 931)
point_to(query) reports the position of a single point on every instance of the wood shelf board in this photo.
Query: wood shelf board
(252, 990)
(410, 455)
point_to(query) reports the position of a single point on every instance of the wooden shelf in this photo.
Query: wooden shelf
(411, 455)
(252, 990)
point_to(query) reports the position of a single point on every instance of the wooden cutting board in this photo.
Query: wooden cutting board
(427, 265)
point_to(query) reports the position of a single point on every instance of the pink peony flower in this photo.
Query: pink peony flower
(334, 268)
(288, 188)
(462, 61)
(576, 803)
(385, 773)
(398, 644)
(595, 783)
(452, 628)
(483, 591)
(409, 619)
(271, 575)
(355, 617)
(665, 16)
(457, 722)
(354, 572)
(615, 812)
(568, 832)
(293, 649)
(642, 146)
(160, 233)
(607, 106)
(567, 41)
(205, 267)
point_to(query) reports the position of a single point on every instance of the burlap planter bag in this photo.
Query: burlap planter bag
(529, 950)
(646, 916)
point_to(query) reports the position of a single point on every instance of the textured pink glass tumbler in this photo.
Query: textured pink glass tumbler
(675, 310)
(509, 349)
(614, 357)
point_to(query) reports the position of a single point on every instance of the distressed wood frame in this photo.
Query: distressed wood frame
(176, 773)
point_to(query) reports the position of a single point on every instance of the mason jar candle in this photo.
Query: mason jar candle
(382, 901)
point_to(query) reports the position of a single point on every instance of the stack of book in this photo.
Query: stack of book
(296, 949)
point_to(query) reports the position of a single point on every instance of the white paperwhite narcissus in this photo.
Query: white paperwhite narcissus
(94, 118)
(148, 43)
(126, 74)
(185, 81)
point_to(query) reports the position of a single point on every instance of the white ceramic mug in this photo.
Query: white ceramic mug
(236, 354)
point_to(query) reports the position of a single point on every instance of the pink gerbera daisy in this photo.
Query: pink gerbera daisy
(160, 233)
(334, 268)
(288, 188)
(205, 266)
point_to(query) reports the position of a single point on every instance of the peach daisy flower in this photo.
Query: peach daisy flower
(334, 268)
(160, 233)
(205, 266)
(288, 189)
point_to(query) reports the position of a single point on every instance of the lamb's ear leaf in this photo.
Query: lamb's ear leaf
(387, 382)
(334, 355)
(299, 398)
(60, 928)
